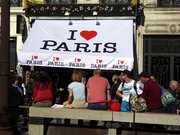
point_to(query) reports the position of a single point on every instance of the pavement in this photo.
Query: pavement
(58, 129)
(79, 131)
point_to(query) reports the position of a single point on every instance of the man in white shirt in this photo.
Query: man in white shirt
(127, 88)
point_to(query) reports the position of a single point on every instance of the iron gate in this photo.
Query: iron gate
(162, 57)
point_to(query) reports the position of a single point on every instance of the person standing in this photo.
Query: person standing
(56, 89)
(15, 99)
(116, 82)
(30, 79)
(127, 88)
(98, 91)
(151, 93)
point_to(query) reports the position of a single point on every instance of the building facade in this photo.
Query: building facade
(157, 35)
(158, 43)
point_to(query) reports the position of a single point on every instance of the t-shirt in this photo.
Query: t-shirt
(139, 87)
(128, 89)
(152, 95)
(78, 90)
(97, 89)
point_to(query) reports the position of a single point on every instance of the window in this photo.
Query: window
(169, 3)
(13, 54)
(162, 57)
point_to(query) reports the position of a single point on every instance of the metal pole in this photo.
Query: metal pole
(135, 70)
(4, 65)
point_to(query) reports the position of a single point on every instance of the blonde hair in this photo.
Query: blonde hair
(76, 76)
(115, 77)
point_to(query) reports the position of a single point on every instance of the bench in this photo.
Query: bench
(158, 118)
(136, 118)
(147, 118)
(37, 115)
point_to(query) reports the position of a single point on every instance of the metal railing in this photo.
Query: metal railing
(16, 3)
(19, 3)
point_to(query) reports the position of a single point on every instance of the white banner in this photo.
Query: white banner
(84, 44)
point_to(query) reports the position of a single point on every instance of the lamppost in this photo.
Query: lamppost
(4, 65)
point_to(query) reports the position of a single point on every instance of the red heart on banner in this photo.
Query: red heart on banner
(88, 34)
(121, 62)
(78, 60)
(100, 61)
(35, 57)
(57, 58)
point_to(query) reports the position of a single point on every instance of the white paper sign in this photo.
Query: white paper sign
(84, 44)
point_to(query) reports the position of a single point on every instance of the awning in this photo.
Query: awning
(84, 44)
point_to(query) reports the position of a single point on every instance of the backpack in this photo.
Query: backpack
(166, 97)
(136, 103)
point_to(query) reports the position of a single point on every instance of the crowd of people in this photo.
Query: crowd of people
(40, 89)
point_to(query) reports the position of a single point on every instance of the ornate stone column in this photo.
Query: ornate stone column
(4, 65)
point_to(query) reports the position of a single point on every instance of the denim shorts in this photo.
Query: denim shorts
(125, 106)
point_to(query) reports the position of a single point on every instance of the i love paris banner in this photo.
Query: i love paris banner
(85, 45)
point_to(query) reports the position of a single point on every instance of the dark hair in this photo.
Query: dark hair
(43, 80)
(127, 72)
(145, 74)
(42, 77)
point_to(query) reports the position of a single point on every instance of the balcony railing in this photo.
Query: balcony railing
(81, 8)
(16, 3)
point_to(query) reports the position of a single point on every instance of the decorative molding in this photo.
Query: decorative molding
(162, 28)
(174, 28)
(84, 10)
(150, 3)
(156, 28)
(178, 29)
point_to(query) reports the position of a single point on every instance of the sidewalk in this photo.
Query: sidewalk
(62, 130)
(84, 131)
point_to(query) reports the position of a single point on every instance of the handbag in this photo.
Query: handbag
(114, 105)
(138, 104)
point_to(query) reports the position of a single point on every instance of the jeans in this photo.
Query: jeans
(97, 106)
